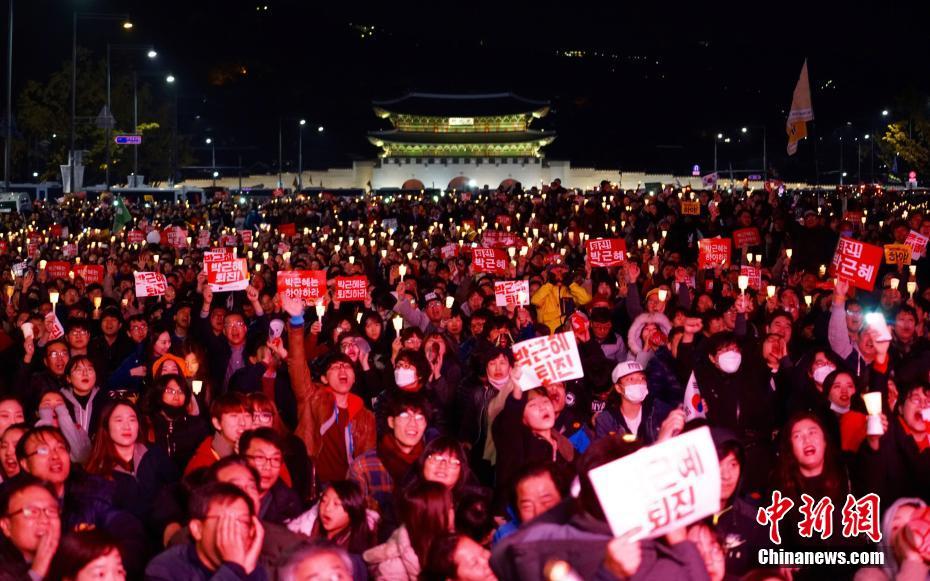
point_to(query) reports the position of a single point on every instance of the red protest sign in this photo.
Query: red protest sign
(606, 251)
(203, 239)
(918, 244)
(289, 229)
(493, 260)
(69, 250)
(450, 251)
(309, 285)
(351, 288)
(229, 240)
(746, 237)
(218, 255)
(175, 237)
(57, 269)
(754, 274)
(228, 275)
(90, 273)
(857, 263)
(135, 236)
(150, 284)
(713, 252)
(504, 220)
(246, 236)
(498, 239)
(553, 258)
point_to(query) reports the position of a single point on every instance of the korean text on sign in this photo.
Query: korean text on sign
(90, 273)
(746, 237)
(546, 360)
(897, 254)
(713, 252)
(754, 273)
(918, 244)
(675, 483)
(606, 251)
(351, 288)
(309, 285)
(857, 263)
(228, 275)
(150, 284)
(509, 293)
(491, 260)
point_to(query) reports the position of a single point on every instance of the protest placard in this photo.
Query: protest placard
(309, 285)
(228, 275)
(499, 239)
(351, 288)
(229, 240)
(89, 273)
(57, 269)
(675, 483)
(175, 237)
(917, 243)
(289, 229)
(755, 275)
(203, 239)
(857, 263)
(714, 252)
(54, 326)
(450, 251)
(745, 237)
(150, 284)
(19, 268)
(492, 260)
(69, 250)
(691, 208)
(218, 255)
(135, 236)
(509, 293)
(897, 254)
(246, 237)
(546, 360)
(606, 251)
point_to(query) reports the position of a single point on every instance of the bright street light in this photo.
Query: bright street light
(727, 140)
(744, 129)
(127, 25)
(884, 112)
(720, 136)
(209, 141)
(169, 79)
(866, 136)
(216, 174)
(320, 129)
(303, 121)
(152, 53)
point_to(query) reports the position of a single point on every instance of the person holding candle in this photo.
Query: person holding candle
(172, 425)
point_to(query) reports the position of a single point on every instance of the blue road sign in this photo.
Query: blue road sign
(128, 140)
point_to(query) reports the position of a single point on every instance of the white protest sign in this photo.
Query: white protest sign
(227, 275)
(150, 284)
(19, 268)
(675, 483)
(917, 243)
(508, 293)
(54, 327)
(546, 360)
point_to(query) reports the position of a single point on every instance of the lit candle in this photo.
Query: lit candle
(873, 406)
(663, 294)
(742, 281)
(97, 301)
(788, 253)
(53, 297)
(770, 290)
(155, 257)
(351, 260)
(449, 302)
(197, 386)
(911, 288)
(402, 270)
(42, 264)
(320, 310)
(398, 324)
(823, 269)
(808, 300)
(894, 283)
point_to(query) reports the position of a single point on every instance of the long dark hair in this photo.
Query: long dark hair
(425, 512)
(448, 445)
(788, 477)
(440, 563)
(153, 401)
(103, 458)
(358, 536)
(77, 549)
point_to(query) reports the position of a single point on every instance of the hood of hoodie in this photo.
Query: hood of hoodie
(891, 565)
(633, 340)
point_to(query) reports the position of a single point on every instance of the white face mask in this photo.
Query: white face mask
(404, 376)
(820, 374)
(838, 408)
(730, 361)
(635, 392)
(498, 383)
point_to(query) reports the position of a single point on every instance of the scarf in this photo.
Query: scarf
(395, 461)
(494, 408)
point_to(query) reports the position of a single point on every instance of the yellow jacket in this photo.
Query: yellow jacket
(546, 299)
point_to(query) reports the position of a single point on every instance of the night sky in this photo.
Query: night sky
(632, 86)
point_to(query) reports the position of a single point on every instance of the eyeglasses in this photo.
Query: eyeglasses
(274, 461)
(79, 332)
(340, 366)
(447, 460)
(139, 327)
(919, 400)
(262, 416)
(46, 450)
(407, 416)
(173, 391)
(33, 512)
(57, 354)
(236, 325)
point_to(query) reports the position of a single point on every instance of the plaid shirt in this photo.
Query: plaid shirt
(377, 484)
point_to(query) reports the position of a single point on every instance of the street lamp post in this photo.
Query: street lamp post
(127, 25)
(151, 53)
(300, 154)
(717, 138)
(280, 148)
(209, 141)
(7, 145)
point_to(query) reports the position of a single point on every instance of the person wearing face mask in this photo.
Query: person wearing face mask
(636, 413)
(736, 385)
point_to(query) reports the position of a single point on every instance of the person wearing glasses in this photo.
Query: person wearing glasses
(897, 464)
(265, 372)
(332, 421)
(33, 380)
(172, 427)
(83, 396)
(30, 527)
(444, 461)
(262, 449)
(227, 540)
(231, 417)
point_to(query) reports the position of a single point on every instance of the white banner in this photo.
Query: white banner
(674, 483)
(548, 360)
(150, 284)
(508, 293)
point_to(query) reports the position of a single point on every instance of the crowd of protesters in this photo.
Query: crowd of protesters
(253, 435)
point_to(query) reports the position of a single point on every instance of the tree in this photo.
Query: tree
(905, 144)
(43, 111)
